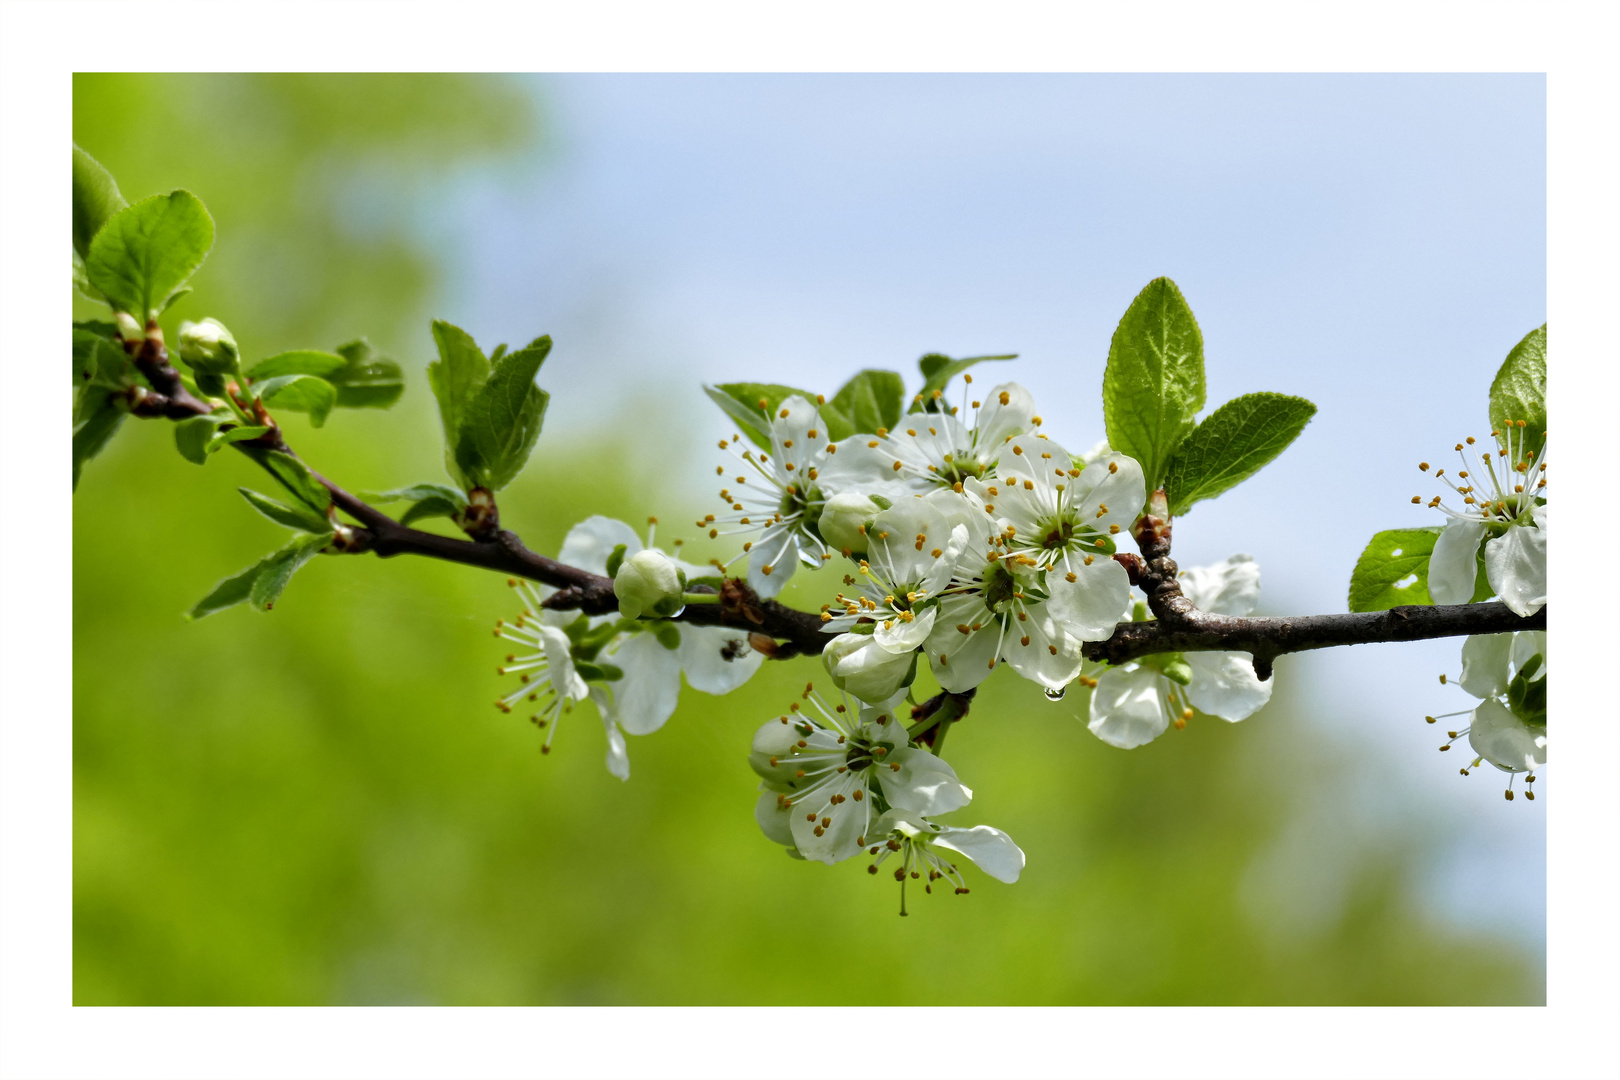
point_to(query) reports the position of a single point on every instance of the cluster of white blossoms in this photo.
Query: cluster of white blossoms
(1504, 507)
(1508, 728)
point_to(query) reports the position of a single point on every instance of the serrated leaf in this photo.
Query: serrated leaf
(294, 476)
(742, 402)
(294, 517)
(1519, 391)
(368, 380)
(298, 362)
(234, 435)
(191, 437)
(277, 570)
(455, 378)
(96, 198)
(503, 420)
(299, 393)
(146, 251)
(1232, 444)
(99, 421)
(937, 372)
(871, 400)
(1393, 570)
(1153, 385)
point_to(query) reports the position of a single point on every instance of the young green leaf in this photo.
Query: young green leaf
(191, 437)
(294, 517)
(278, 569)
(95, 199)
(368, 379)
(234, 435)
(99, 417)
(1519, 391)
(503, 420)
(298, 362)
(300, 393)
(871, 400)
(293, 475)
(937, 372)
(416, 493)
(1393, 570)
(1153, 385)
(148, 250)
(97, 356)
(227, 594)
(750, 405)
(455, 378)
(431, 507)
(1232, 444)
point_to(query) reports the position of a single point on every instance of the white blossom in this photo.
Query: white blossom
(1504, 506)
(1508, 728)
(917, 843)
(1135, 703)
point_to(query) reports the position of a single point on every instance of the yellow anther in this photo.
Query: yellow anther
(1005, 397)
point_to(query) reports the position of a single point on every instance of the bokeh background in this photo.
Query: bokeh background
(320, 805)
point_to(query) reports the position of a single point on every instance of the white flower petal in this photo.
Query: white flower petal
(1227, 588)
(897, 635)
(1224, 684)
(998, 422)
(991, 850)
(940, 574)
(618, 759)
(773, 819)
(1527, 643)
(801, 419)
(962, 661)
(1452, 566)
(560, 664)
(589, 543)
(846, 821)
(1504, 740)
(644, 699)
(1485, 664)
(1052, 657)
(1123, 491)
(703, 655)
(1088, 607)
(924, 783)
(1516, 565)
(1127, 707)
(871, 672)
(776, 548)
(860, 468)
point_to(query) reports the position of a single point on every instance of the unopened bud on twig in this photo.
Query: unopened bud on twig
(128, 328)
(208, 347)
(843, 519)
(649, 583)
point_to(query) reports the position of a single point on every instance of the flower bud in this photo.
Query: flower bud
(843, 518)
(128, 328)
(866, 670)
(208, 347)
(649, 583)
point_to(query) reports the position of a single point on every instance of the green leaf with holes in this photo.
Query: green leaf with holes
(1232, 444)
(146, 252)
(1153, 386)
(1394, 570)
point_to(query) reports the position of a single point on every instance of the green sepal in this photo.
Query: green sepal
(1519, 391)
(299, 393)
(1527, 695)
(616, 560)
(1232, 444)
(937, 372)
(742, 402)
(594, 672)
(1153, 386)
(668, 635)
(871, 400)
(148, 250)
(294, 517)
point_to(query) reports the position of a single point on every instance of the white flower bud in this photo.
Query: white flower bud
(864, 669)
(128, 328)
(843, 518)
(649, 583)
(208, 346)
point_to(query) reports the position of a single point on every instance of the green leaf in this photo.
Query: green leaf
(294, 517)
(234, 435)
(417, 492)
(368, 380)
(262, 582)
(434, 506)
(298, 362)
(937, 372)
(751, 406)
(148, 250)
(1519, 391)
(97, 356)
(455, 378)
(300, 393)
(1393, 570)
(294, 476)
(503, 419)
(1232, 444)
(99, 420)
(871, 400)
(95, 199)
(1153, 385)
(191, 437)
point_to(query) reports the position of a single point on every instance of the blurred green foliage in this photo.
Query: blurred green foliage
(320, 805)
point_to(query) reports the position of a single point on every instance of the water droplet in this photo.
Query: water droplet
(1056, 695)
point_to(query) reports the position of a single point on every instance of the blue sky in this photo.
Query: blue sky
(1373, 243)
